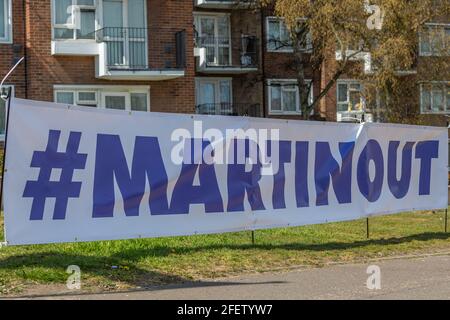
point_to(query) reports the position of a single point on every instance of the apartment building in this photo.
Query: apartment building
(227, 37)
(427, 91)
(183, 56)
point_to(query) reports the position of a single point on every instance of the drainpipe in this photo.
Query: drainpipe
(263, 64)
(25, 54)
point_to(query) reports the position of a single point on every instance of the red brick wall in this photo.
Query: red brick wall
(247, 88)
(10, 52)
(46, 70)
(279, 65)
(174, 95)
(178, 95)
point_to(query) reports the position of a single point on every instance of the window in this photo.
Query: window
(87, 98)
(354, 50)
(213, 34)
(5, 21)
(3, 111)
(125, 33)
(74, 19)
(284, 97)
(214, 96)
(279, 38)
(435, 40)
(435, 97)
(138, 101)
(81, 98)
(66, 97)
(349, 96)
(117, 101)
(110, 98)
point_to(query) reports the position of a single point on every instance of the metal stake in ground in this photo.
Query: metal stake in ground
(446, 220)
(367, 229)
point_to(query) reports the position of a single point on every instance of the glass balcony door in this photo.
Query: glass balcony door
(213, 34)
(125, 33)
(214, 96)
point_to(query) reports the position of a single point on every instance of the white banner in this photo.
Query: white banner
(83, 174)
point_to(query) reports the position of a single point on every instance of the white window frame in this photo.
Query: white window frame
(286, 49)
(216, 16)
(6, 86)
(422, 111)
(70, 26)
(86, 102)
(432, 52)
(287, 82)
(126, 39)
(8, 23)
(348, 82)
(100, 13)
(73, 92)
(217, 85)
(126, 95)
(101, 91)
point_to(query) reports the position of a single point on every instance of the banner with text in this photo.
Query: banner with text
(85, 174)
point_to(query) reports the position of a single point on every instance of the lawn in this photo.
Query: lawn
(132, 263)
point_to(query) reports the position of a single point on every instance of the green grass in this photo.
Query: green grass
(170, 260)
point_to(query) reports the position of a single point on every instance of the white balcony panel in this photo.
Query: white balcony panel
(211, 4)
(103, 72)
(145, 75)
(75, 48)
(225, 70)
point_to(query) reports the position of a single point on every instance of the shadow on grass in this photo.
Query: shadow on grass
(138, 279)
(112, 268)
(187, 285)
(162, 251)
(129, 273)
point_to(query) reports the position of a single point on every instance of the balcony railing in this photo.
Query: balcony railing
(355, 116)
(224, 3)
(136, 49)
(230, 109)
(225, 52)
(231, 1)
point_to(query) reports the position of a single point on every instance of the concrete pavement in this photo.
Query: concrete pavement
(413, 278)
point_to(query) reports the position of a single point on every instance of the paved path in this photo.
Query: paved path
(414, 278)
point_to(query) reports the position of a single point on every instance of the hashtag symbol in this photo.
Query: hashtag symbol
(63, 189)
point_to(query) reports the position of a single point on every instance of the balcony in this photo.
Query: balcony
(123, 53)
(140, 54)
(130, 53)
(224, 4)
(374, 65)
(371, 65)
(227, 55)
(230, 109)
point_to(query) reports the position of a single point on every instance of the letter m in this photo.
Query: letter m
(111, 165)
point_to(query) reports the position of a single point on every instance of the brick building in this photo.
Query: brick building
(185, 56)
